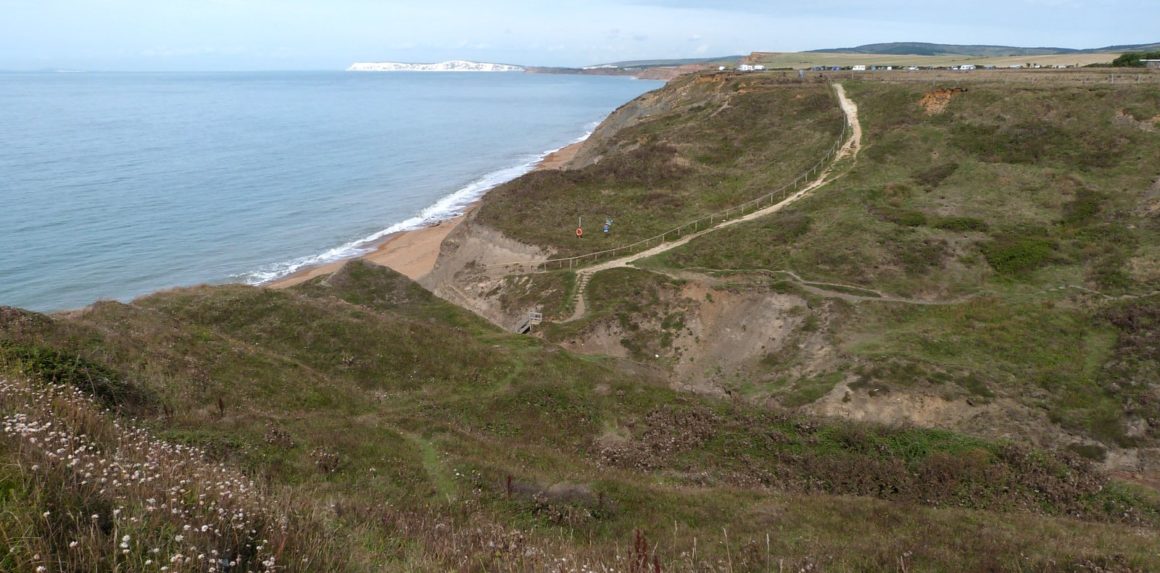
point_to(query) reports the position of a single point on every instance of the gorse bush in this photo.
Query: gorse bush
(1017, 255)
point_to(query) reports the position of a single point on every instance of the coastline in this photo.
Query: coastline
(413, 252)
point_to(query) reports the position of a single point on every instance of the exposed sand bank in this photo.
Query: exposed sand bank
(413, 253)
(559, 158)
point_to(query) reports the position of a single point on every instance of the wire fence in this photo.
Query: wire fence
(766, 200)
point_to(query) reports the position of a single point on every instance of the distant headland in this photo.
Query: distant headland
(451, 66)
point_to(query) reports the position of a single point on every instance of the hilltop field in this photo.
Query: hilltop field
(798, 60)
(941, 357)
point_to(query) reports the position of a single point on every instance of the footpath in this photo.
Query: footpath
(848, 150)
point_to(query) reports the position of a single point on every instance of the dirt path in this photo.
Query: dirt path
(850, 293)
(847, 292)
(850, 149)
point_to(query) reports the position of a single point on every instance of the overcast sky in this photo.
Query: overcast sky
(330, 34)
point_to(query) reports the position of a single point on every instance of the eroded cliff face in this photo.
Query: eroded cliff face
(475, 258)
(684, 91)
(913, 352)
(473, 261)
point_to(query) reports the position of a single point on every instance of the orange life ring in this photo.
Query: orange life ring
(579, 232)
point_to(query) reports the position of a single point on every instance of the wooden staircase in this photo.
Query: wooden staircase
(578, 306)
(533, 319)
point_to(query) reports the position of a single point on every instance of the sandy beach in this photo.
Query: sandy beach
(559, 158)
(413, 253)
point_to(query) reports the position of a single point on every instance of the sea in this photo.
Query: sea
(114, 185)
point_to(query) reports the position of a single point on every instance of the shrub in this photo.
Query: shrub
(1036, 141)
(94, 493)
(903, 217)
(1133, 59)
(934, 176)
(962, 224)
(70, 369)
(1082, 209)
(1019, 254)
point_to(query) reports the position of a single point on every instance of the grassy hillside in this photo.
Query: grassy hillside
(928, 49)
(987, 264)
(984, 51)
(1031, 209)
(993, 251)
(928, 54)
(676, 62)
(374, 427)
(800, 60)
(707, 143)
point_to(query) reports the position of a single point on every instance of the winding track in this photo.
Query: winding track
(850, 149)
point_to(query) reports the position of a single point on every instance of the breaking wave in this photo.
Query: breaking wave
(450, 206)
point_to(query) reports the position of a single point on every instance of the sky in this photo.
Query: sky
(162, 35)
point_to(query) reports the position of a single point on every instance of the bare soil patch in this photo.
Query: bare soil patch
(936, 101)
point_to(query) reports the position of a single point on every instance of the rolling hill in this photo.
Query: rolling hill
(928, 49)
(941, 358)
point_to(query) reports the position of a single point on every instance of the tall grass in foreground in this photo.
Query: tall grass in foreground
(83, 491)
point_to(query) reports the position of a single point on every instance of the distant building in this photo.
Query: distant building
(967, 67)
(859, 68)
(1151, 63)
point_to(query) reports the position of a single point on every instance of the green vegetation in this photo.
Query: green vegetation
(987, 268)
(712, 142)
(58, 368)
(846, 59)
(1020, 200)
(552, 292)
(500, 451)
(646, 310)
(1132, 59)
(1019, 253)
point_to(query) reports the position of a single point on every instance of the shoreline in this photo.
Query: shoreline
(413, 252)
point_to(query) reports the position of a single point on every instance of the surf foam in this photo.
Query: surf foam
(447, 207)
